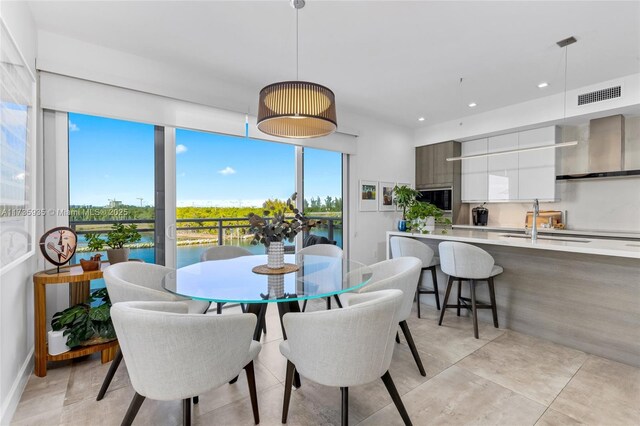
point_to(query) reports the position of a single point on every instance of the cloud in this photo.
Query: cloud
(73, 127)
(227, 171)
(180, 149)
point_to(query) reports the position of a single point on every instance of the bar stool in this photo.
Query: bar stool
(465, 262)
(404, 246)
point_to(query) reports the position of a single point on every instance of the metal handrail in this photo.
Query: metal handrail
(219, 224)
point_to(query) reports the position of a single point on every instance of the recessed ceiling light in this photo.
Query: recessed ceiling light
(421, 119)
(472, 104)
(543, 85)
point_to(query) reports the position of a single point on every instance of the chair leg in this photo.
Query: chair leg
(219, 308)
(328, 303)
(345, 406)
(418, 301)
(397, 337)
(112, 371)
(474, 310)
(395, 396)
(251, 381)
(186, 412)
(446, 299)
(136, 402)
(494, 308)
(335, 296)
(414, 351)
(288, 383)
(459, 296)
(196, 399)
(304, 305)
(434, 277)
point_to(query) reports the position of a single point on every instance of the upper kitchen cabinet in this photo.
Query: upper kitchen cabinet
(502, 175)
(537, 169)
(474, 171)
(432, 168)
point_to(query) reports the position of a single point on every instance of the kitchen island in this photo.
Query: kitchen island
(580, 292)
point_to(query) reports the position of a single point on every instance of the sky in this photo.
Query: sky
(114, 159)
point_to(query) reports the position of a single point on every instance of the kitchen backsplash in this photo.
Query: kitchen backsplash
(596, 205)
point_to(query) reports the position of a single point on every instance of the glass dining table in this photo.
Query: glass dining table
(234, 281)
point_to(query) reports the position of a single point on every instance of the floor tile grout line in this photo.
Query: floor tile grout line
(240, 400)
(561, 390)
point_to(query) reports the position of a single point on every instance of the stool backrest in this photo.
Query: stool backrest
(409, 247)
(465, 260)
(322, 250)
(224, 252)
(137, 281)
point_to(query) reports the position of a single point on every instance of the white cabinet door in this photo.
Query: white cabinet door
(474, 171)
(503, 169)
(537, 169)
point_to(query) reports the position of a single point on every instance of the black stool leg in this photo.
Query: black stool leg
(112, 371)
(412, 346)
(132, 411)
(186, 412)
(338, 302)
(494, 308)
(418, 299)
(395, 396)
(397, 337)
(251, 381)
(328, 303)
(474, 310)
(345, 405)
(459, 296)
(434, 277)
(446, 299)
(304, 305)
(196, 399)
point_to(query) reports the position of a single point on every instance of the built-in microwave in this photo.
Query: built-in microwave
(441, 197)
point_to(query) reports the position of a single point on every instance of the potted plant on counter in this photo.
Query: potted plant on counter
(405, 197)
(116, 240)
(423, 217)
(274, 228)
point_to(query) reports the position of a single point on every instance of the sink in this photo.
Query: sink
(528, 237)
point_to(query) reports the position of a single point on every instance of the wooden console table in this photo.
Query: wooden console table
(78, 292)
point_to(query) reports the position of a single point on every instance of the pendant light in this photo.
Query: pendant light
(297, 109)
(563, 44)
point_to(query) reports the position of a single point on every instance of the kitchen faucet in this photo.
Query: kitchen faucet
(534, 228)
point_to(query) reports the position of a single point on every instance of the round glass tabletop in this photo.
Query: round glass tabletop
(233, 281)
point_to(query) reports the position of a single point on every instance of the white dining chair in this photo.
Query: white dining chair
(468, 263)
(138, 281)
(328, 250)
(403, 274)
(404, 246)
(344, 347)
(172, 354)
(224, 252)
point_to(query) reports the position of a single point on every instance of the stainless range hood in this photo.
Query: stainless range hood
(606, 150)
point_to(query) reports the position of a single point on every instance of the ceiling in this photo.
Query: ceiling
(397, 60)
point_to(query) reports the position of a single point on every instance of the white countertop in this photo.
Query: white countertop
(566, 243)
(605, 234)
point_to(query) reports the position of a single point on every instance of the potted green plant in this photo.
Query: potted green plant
(274, 228)
(422, 217)
(405, 196)
(85, 324)
(116, 239)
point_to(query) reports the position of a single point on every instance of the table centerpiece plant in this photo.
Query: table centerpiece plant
(274, 228)
(404, 197)
(119, 235)
(422, 217)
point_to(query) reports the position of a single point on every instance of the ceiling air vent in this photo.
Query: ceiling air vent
(600, 95)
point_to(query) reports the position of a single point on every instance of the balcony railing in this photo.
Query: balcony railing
(220, 224)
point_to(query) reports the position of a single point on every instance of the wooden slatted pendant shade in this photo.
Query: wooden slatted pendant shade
(297, 109)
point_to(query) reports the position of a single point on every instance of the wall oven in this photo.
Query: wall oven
(442, 198)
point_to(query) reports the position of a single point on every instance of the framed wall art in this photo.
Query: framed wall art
(368, 193)
(385, 200)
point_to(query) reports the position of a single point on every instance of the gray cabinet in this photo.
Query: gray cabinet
(432, 168)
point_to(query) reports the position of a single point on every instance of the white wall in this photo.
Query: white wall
(385, 152)
(16, 288)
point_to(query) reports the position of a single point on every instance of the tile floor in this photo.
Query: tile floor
(504, 378)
